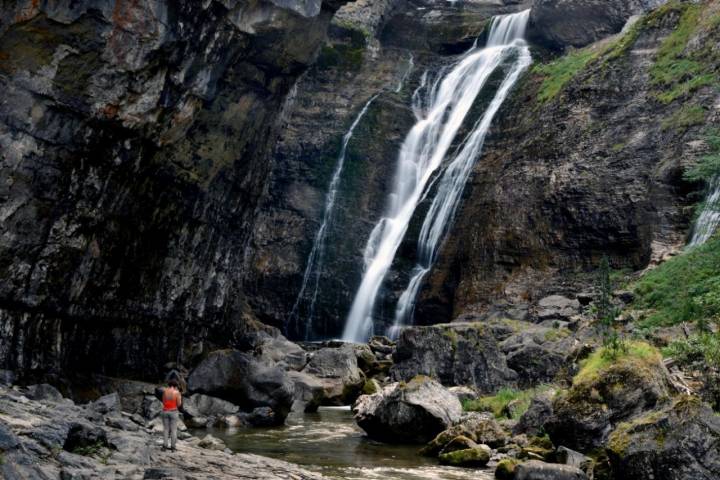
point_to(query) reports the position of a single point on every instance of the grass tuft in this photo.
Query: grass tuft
(599, 361)
(497, 404)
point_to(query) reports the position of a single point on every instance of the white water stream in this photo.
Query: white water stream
(709, 219)
(313, 269)
(441, 114)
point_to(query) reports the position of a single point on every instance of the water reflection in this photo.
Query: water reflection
(329, 442)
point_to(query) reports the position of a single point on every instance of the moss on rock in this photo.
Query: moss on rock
(470, 457)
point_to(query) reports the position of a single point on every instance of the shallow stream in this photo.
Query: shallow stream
(329, 442)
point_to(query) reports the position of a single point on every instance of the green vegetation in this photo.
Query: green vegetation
(558, 73)
(341, 56)
(687, 116)
(677, 72)
(599, 361)
(703, 347)
(498, 404)
(709, 166)
(686, 288)
(370, 387)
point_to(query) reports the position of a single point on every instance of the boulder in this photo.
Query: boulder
(539, 411)
(534, 363)
(44, 391)
(282, 351)
(605, 393)
(678, 442)
(381, 345)
(572, 458)
(557, 307)
(478, 427)
(460, 442)
(475, 457)
(200, 405)
(558, 24)
(412, 413)
(107, 403)
(150, 407)
(338, 371)
(456, 354)
(245, 381)
(537, 470)
(309, 392)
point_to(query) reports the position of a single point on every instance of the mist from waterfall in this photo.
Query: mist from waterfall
(709, 219)
(441, 108)
(316, 258)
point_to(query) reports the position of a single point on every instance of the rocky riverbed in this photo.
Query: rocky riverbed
(50, 437)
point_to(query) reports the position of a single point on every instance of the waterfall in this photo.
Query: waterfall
(313, 268)
(709, 219)
(440, 114)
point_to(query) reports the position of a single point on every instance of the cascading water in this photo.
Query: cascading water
(440, 117)
(313, 268)
(709, 219)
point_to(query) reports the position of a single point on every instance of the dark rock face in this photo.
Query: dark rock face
(134, 139)
(532, 422)
(83, 436)
(575, 23)
(239, 378)
(675, 443)
(455, 354)
(562, 182)
(408, 413)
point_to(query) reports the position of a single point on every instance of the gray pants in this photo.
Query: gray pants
(170, 426)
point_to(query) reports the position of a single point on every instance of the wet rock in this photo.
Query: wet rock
(44, 392)
(505, 469)
(455, 354)
(476, 457)
(539, 411)
(7, 377)
(576, 23)
(244, 381)
(537, 470)
(8, 440)
(338, 371)
(414, 412)
(681, 441)
(381, 345)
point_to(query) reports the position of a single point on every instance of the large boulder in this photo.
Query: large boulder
(282, 351)
(606, 392)
(338, 371)
(245, 381)
(455, 354)
(532, 422)
(45, 392)
(309, 392)
(412, 412)
(199, 405)
(679, 442)
(559, 24)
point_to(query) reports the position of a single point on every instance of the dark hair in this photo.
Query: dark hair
(173, 383)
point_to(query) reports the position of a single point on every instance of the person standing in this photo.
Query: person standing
(171, 400)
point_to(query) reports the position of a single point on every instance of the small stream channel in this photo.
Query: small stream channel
(329, 442)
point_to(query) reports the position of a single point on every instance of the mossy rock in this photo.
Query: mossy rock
(370, 387)
(470, 457)
(461, 442)
(505, 469)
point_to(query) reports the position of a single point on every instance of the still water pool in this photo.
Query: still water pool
(329, 442)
